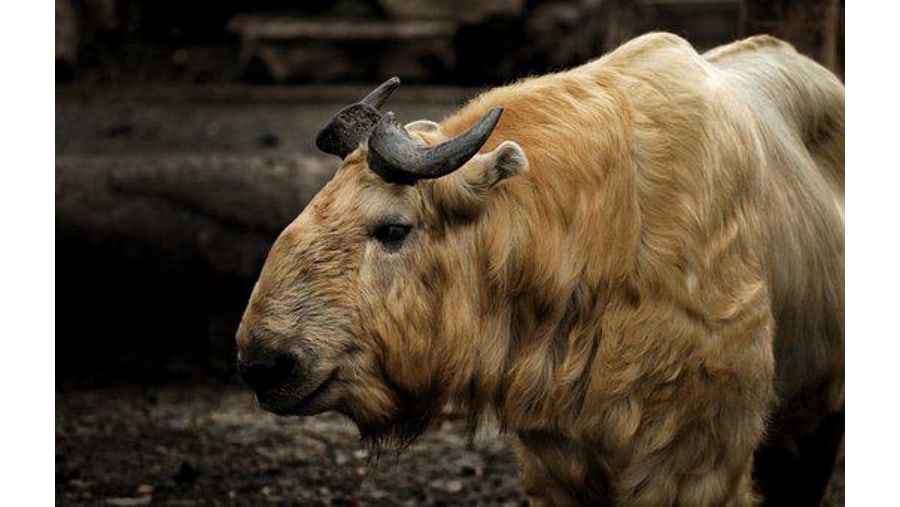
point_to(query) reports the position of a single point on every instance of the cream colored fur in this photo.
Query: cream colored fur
(643, 268)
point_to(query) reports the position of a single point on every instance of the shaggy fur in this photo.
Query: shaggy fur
(641, 276)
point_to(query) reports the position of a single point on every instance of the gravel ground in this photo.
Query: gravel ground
(210, 445)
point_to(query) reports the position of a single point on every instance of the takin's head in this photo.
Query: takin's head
(362, 294)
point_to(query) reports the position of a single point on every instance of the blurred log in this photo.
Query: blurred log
(286, 49)
(156, 256)
(457, 10)
(223, 210)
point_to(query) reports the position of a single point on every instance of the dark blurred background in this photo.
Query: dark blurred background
(467, 42)
(184, 135)
(184, 144)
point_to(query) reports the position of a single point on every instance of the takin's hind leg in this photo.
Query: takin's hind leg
(794, 472)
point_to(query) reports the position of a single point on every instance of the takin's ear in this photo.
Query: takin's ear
(428, 131)
(505, 161)
(465, 191)
(422, 126)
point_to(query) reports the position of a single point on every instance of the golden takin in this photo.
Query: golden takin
(636, 266)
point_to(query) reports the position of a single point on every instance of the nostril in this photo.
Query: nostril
(266, 374)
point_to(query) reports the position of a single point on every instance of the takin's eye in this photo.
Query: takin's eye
(391, 236)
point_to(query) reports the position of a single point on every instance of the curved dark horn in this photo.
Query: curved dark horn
(398, 158)
(377, 97)
(353, 124)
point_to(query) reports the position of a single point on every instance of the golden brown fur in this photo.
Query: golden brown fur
(661, 280)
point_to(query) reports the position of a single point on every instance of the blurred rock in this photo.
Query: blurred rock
(145, 489)
(78, 484)
(127, 502)
(187, 473)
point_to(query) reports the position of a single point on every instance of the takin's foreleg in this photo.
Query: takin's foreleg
(682, 431)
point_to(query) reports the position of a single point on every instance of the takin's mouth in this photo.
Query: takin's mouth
(310, 403)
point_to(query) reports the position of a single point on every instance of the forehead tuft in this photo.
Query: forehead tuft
(358, 198)
(355, 157)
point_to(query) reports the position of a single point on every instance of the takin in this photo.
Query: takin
(635, 266)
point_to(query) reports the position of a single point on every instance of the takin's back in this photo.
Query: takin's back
(800, 110)
(697, 163)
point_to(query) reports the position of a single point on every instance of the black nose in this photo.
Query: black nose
(267, 374)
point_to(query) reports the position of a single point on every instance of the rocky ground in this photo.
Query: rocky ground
(207, 444)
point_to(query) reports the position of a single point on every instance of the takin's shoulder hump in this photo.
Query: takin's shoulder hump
(806, 94)
(655, 48)
(750, 44)
(650, 44)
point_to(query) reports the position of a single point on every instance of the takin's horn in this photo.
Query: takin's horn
(398, 158)
(353, 124)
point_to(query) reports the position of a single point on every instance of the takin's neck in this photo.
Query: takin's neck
(563, 241)
(527, 350)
